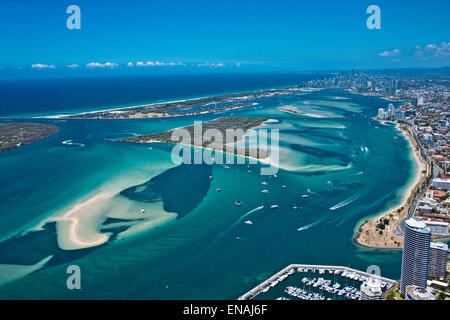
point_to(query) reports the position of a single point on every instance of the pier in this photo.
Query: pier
(291, 269)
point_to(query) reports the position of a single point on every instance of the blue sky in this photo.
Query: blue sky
(210, 35)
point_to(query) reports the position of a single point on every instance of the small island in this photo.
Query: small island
(242, 124)
(15, 134)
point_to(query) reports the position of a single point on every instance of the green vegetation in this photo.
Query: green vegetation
(240, 126)
(15, 134)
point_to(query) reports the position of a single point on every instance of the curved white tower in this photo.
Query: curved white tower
(416, 251)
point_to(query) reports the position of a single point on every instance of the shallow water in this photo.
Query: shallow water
(203, 250)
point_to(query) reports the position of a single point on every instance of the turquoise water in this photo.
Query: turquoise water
(191, 242)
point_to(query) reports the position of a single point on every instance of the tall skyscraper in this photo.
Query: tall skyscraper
(438, 259)
(416, 251)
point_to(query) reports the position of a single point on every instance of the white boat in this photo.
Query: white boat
(265, 191)
(248, 222)
(266, 289)
(142, 211)
(264, 183)
(305, 196)
(275, 206)
(292, 271)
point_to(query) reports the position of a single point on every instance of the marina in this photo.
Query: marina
(315, 282)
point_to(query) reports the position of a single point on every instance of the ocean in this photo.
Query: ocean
(148, 228)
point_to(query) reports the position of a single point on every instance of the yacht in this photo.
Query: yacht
(266, 289)
(265, 191)
(305, 196)
(274, 206)
(238, 203)
(248, 222)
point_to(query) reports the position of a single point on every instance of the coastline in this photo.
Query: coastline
(366, 234)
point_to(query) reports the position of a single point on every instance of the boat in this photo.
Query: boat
(265, 191)
(292, 271)
(275, 206)
(218, 189)
(283, 186)
(142, 211)
(238, 203)
(295, 208)
(266, 289)
(264, 183)
(248, 222)
(305, 196)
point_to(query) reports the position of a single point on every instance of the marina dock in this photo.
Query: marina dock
(293, 268)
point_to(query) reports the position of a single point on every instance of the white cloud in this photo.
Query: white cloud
(102, 65)
(211, 65)
(392, 53)
(158, 64)
(42, 66)
(73, 66)
(433, 51)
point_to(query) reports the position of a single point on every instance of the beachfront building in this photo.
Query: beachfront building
(371, 290)
(381, 114)
(416, 250)
(438, 260)
(441, 183)
(417, 293)
(400, 115)
(438, 228)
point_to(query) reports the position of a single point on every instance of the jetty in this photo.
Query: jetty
(293, 268)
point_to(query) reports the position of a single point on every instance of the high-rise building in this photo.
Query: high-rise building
(381, 114)
(416, 251)
(438, 260)
(371, 290)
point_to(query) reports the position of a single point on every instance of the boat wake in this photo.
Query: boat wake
(74, 144)
(243, 217)
(236, 223)
(315, 223)
(346, 202)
